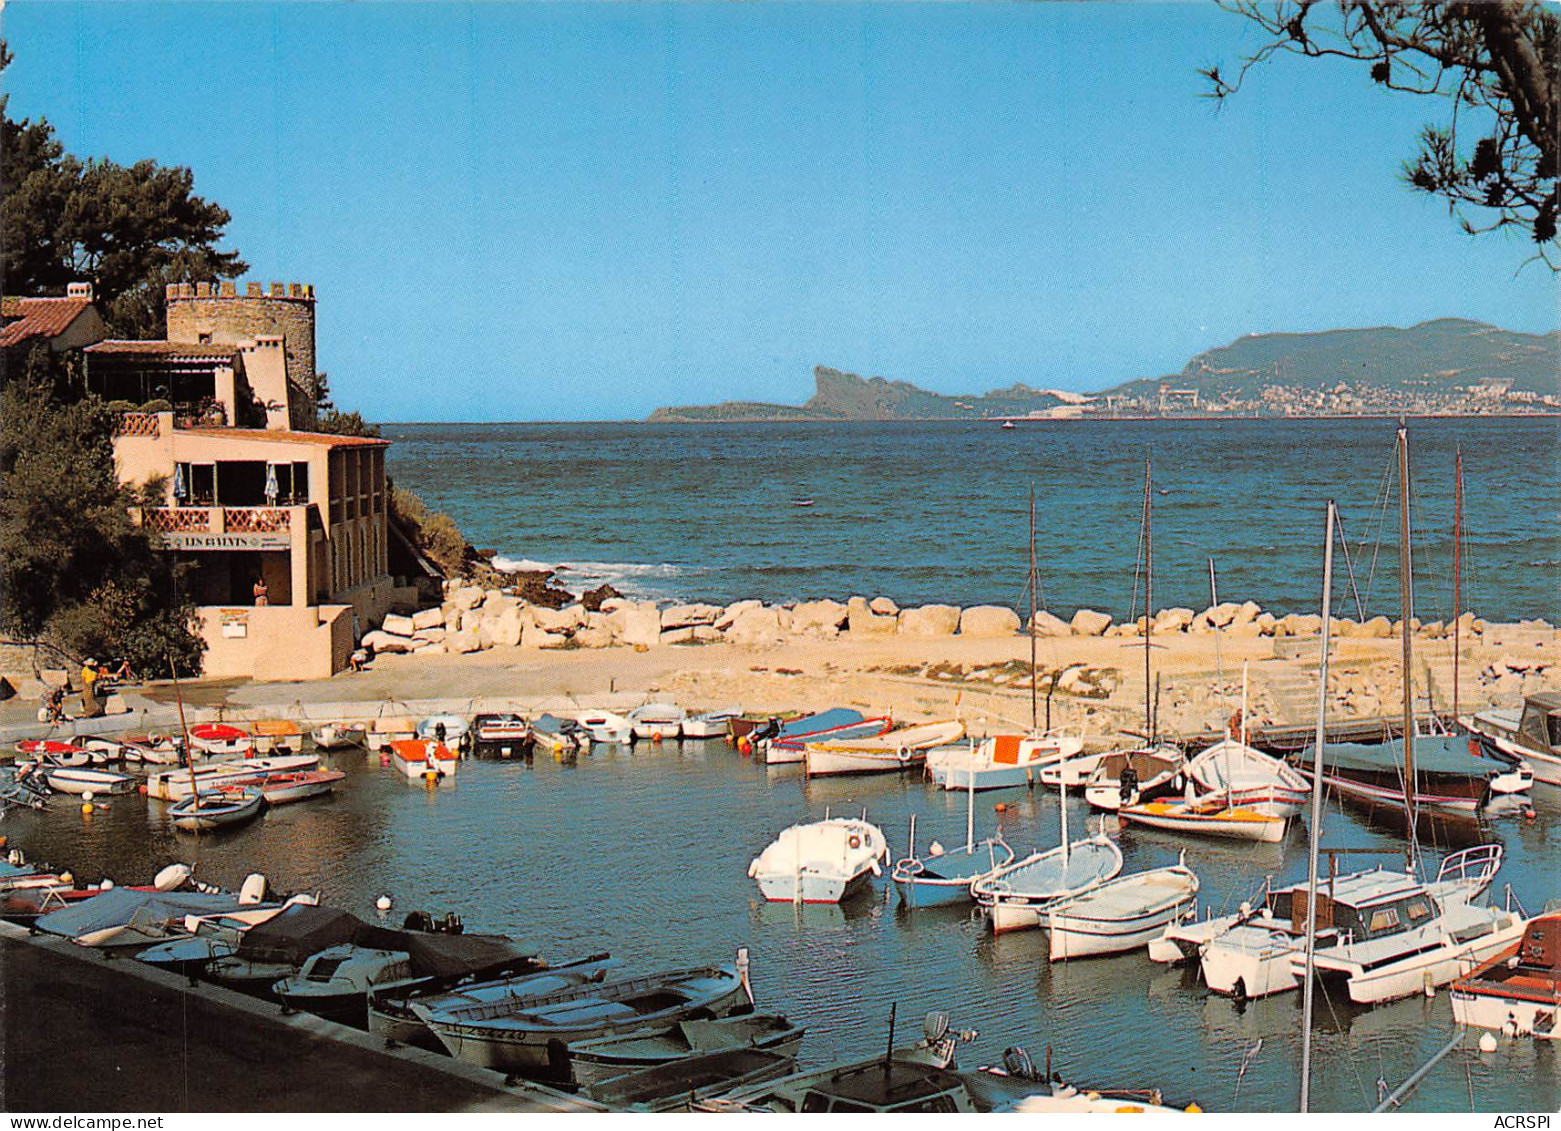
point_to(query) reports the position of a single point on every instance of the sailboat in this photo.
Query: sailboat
(1126, 777)
(943, 878)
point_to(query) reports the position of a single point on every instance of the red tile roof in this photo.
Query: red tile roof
(187, 350)
(320, 439)
(39, 318)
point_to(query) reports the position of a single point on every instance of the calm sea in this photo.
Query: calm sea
(925, 512)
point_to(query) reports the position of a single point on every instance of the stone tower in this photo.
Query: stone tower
(217, 313)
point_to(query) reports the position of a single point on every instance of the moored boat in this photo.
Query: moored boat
(423, 758)
(942, 878)
(218, 809)
(1529, 734)
(892, 752)
(277, 735)
(1121, 914)
(174, 785)
(72, 779)
(1020, 895)
(503, 734)
(606, 727)
(1449, 770)
(335, 982)
(452, 730)
(820, 862)
(599, 1059)
(490, 1026)
(765, 741)
(657, 721)
(1249, 777)
(1209, 815)
(55, 752)
(216, 740)
(711, 724)
(1518, 992)
(1002, 761)
(283, 787)
(1127, 777)
(337, 736)
(386, 729)
(560, 737)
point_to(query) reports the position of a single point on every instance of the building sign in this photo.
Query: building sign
(196, 540)
(235, 623)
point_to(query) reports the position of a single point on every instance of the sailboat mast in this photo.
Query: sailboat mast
(1316, 823)
(1406, 603)
(1034, 713)
(1457, 566)
(1149, 719)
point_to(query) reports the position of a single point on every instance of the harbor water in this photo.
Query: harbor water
(936, 512)
(644, 853)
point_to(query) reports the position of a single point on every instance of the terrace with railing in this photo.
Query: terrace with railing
(220, 520)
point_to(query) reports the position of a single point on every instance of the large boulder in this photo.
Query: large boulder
(735, 610)
(707, 634)
(1302, 624)
(1376, 627)
(1172, 620)
(1221, 614)
(428, 618)
(641, 625)
(930, 620)
(755, 626)
(471, 619)
(508, 628)
(686, 616)
(818, 618)
(563, 620)
(1246, 612)
(1087, 622)
(683, 635)
(433, 635)
(883, 606)
(397, 625)
(864, 622)
(595, 636)
(386, 642)
(498, 604)
(462, 642)
(535, 637)
(1049, 624)
(467, 596)
(988, 620)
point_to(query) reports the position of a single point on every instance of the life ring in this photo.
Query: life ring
(854, 841)
(903, 753)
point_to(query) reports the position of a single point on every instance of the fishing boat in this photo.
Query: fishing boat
(892, 752)
(942, 878)
(218, 740)
(1451, 773)
(1529, 734)
(98, 783)
(1127, 777)
(277, 734)
(783, 749)
(217, 809)
(281, 788)
(386, 729)
(822, 862)
(657, 721)
(174, 785)
(598, 1059)
(1121, 914)
(607, 727)
(126, 918)
(1247, 777)
(159, 749)
(208, 937)
(1072, 772)
(423, 757)
(792, 730)
(1020, 895)
(1001, 761)
(503, 733)
(563, 738)
(106, 751)
(53, 751)
(491, 1026)
(390, 1011)
(1209, 815)
(1518, 992)
(686, 1083)
(744, 725)
(711, 724)
(337, 736)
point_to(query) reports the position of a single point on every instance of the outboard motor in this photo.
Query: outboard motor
(1017, 1063)
(253, 889)
(173, 877)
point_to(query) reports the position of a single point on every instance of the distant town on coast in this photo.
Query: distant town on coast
(1446, 367)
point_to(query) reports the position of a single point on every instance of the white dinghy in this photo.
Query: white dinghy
(657, 721)
(821, 862)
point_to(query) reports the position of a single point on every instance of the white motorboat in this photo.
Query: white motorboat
(386, 729)
(502, 733)
(1529, 734)
(221, 740)
(452, 730)
(423, 757)
(1413, 929)
(337, 736)
(657, 721)
(887, 753)
(562, 738)
(821, 862)
(1001, 761)
(1020, 895)
(54, 752)
(1519, 991)
(99, 783)
(335, 983)
(1127, 777)
(711, 724)
(1121, 914)
(607, 727)
(277, 735)
(173, 785)
(1073, 772)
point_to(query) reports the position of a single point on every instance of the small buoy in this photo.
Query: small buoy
(1529, 815)
(86, 795)
(1001, 807)
(1487, 1042)
(86, 808)
(382, 903)
(67, 878)
(106, 885)
(655, 736)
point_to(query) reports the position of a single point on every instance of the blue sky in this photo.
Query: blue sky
(560, 211)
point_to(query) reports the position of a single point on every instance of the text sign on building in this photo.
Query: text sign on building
(193, 540)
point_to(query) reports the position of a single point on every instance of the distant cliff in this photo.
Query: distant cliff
(1449, 365)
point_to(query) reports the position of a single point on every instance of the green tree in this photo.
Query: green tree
(129, 229)
(1497, 158)
(329, 418)
(75, 568)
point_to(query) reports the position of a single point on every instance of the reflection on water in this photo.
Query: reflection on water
(645, 854)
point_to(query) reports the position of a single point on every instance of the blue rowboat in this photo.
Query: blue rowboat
(943, 879)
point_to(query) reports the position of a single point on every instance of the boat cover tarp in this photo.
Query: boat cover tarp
(824, 720)
(302, 930)
(119, 906)
(1434, 754)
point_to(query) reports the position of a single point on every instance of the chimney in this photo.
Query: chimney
(79, 290)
